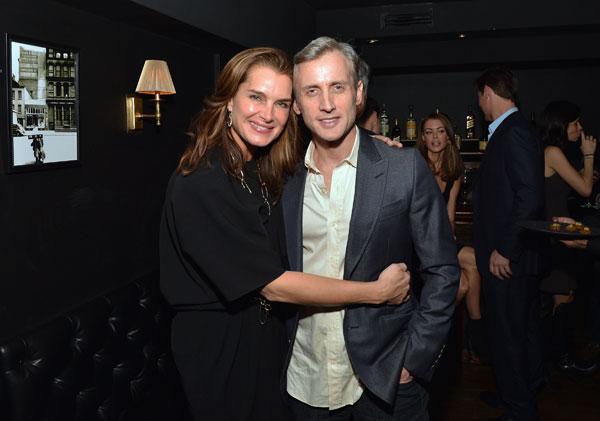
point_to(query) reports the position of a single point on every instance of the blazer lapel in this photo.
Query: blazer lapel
(292, 199)
(493, 145)
(498, 134)
(371, 178)
(496, 138)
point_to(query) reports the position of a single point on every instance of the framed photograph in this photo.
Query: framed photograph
(42, 92)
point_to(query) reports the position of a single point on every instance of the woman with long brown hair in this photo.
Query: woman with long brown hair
(223, 263)
(436, 144)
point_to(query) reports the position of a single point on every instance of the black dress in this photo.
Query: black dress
(557, 193)
(561, 279)
(446, 194)
(447, 189)
(218, 248)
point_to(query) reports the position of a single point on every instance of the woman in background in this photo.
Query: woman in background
(437, 146)
(222, 253)
(559, 125)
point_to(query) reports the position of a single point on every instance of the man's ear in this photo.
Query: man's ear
(488, 92)
(360, 89)
(296, 108)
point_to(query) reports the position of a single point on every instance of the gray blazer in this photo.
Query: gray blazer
(398, 210)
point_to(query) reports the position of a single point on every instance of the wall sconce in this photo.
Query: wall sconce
(154, 80)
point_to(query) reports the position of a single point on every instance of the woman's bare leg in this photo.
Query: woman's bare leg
(466, 260)
(463, 287)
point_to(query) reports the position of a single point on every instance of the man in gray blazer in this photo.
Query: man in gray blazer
(354, 206)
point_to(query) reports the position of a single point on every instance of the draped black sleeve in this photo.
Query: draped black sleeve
(215, 245)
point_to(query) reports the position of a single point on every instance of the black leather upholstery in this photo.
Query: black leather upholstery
(107, 360)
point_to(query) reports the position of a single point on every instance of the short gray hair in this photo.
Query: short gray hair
(319, 46)
(364, 72)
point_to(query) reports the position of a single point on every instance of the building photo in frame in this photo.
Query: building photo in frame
(43, 98)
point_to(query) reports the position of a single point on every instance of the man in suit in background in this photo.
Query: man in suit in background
(509, 188)
(354, 206)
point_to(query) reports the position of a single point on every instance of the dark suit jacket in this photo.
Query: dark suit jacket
(398, 209)
(509, 187)
(593, 247)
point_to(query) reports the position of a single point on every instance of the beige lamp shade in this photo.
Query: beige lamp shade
(155, 79)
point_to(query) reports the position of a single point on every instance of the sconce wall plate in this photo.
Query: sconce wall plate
(134, 109)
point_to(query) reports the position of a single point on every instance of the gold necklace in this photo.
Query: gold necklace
(264, 306)
(264, 191)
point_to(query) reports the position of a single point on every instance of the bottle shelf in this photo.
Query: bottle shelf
(462, 140)
(468, 148)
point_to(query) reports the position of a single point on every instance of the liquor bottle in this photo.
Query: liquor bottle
(411, 125)
(483, 143)
(470, 131)
(396, 131)
(384, 121)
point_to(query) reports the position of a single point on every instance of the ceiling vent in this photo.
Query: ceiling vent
(417, 16)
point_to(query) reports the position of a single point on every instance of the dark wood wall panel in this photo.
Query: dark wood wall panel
(69, 235)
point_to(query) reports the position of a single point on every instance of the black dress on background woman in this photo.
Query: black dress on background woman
(561, 279)
(446, 194)
(220, 244)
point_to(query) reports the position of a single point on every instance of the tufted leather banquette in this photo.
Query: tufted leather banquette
(107, 360)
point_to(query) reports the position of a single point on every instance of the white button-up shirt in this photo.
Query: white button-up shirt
(494, 124)
(320, 373)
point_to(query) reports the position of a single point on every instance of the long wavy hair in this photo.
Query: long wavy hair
(554, 122)
(451, 166)
(208, 129)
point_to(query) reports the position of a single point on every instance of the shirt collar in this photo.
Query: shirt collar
(351, 159)
(494, 124)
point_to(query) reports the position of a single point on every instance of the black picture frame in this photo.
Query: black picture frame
(41, 89)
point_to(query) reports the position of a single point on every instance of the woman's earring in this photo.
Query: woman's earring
(229, 121)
